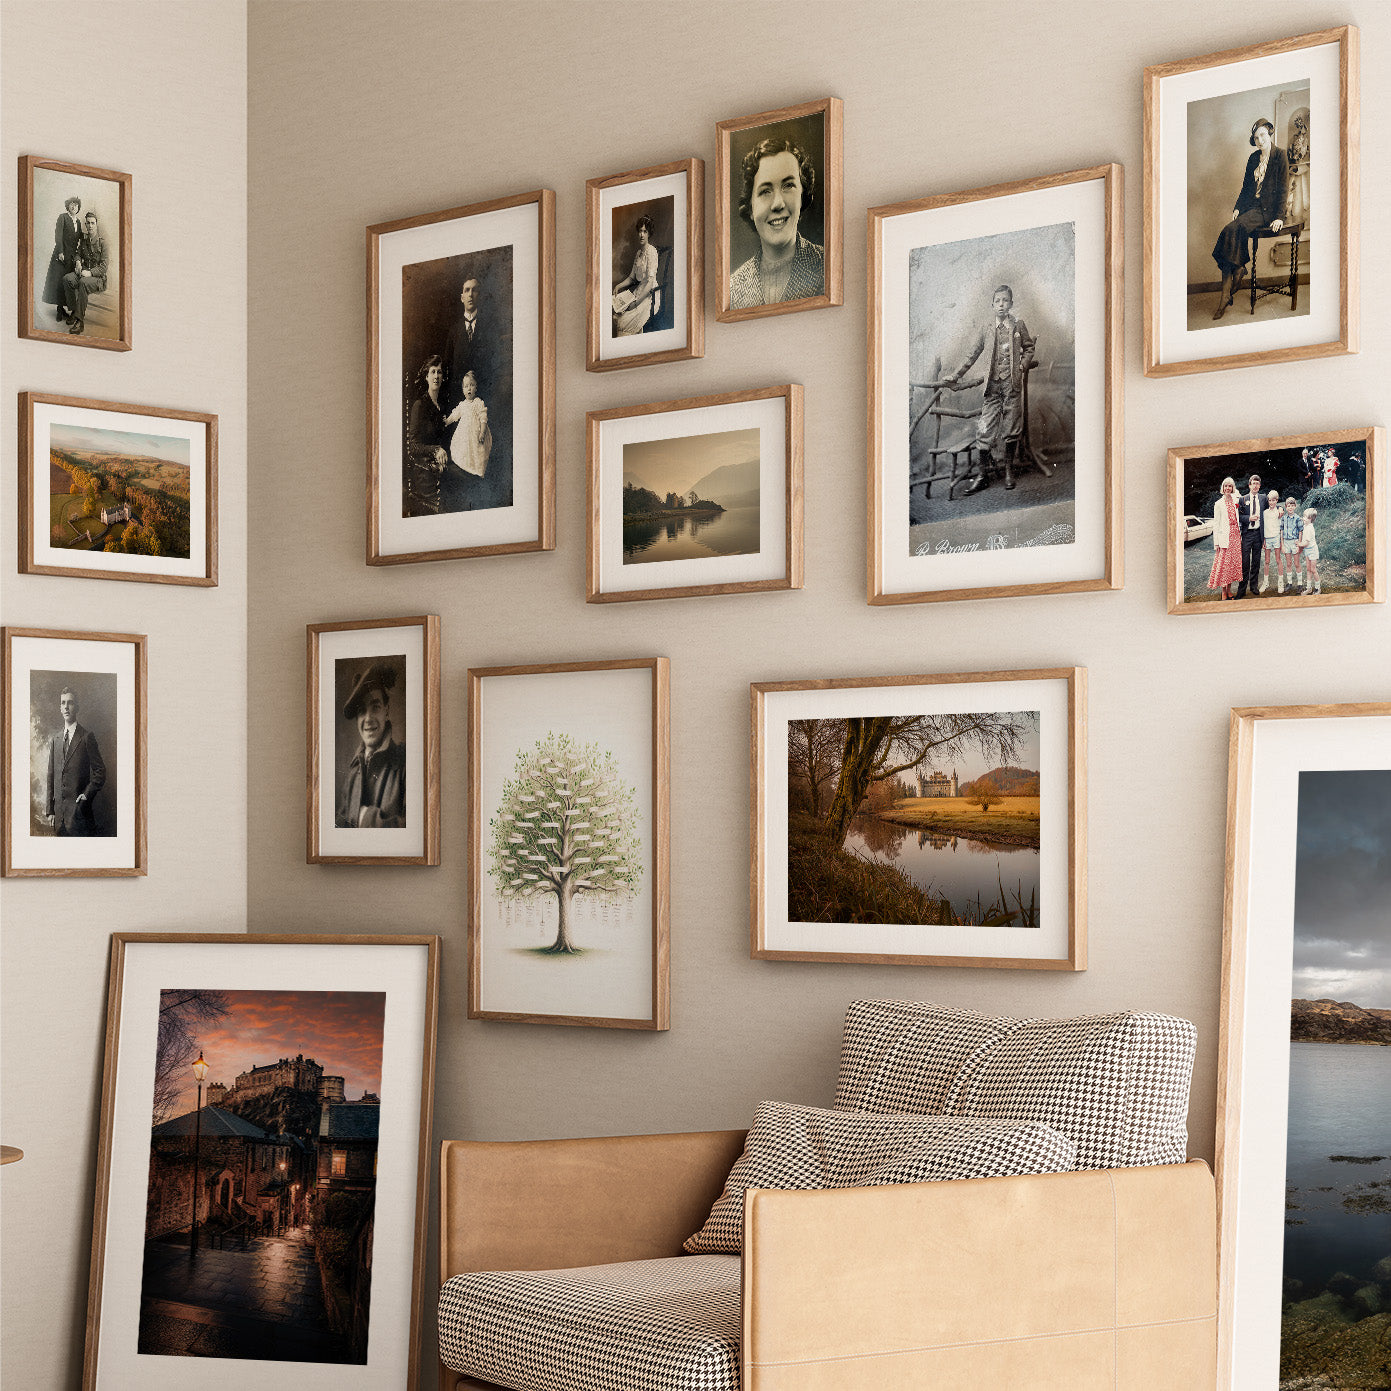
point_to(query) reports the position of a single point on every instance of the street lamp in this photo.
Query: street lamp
(200, 1071)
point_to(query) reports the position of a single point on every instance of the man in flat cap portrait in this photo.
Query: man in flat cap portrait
(373, 789)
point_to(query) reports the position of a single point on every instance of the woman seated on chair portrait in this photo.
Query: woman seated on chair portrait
(1260, 204)
(632, 296)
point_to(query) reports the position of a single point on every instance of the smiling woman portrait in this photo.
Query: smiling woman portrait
(779, 185)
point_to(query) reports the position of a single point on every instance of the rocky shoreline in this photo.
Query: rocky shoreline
(1332, 1021)
(1338, 1339)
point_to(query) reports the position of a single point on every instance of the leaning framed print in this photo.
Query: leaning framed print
(701, 496)
(109, 491)
(461, 382)
(995, 383)
(779, 226)
(75, 754)
(568, 843)
(645, 294)
(1303, 1092)
(1251, 194)
(74, 254)
(1293, 522)
(921, 820)
(372, 712)
(263, 1174)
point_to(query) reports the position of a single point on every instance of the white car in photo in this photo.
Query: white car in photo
(1195, 528)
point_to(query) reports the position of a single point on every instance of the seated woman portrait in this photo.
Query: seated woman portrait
(1260, 204)
(779, 186)
(632, 296)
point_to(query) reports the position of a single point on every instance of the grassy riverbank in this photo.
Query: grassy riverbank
(1010, 821)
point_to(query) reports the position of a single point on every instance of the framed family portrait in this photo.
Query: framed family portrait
(461, 382)
(1294, 522)
(701, 496)
(779, 226)
(995, 385)
(373, 721)
(921, 820)
(1251, 194)
(1304, 1071)
(74, 254)
(263, 1175)
(75, 755)
(645, 296)
(568, 843)
(109, 491)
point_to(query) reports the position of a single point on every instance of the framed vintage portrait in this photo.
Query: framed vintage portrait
(263, 1176)
(74, 254)
(1303, 1111)
(1251, 189)
(568, 843)
(778, 221)
(921, 820)
(1294, 522)
(372, 711)
(701, 496)
(645, 297)
(109, 491)
(995, 381)
(461, 382)
(75, 755)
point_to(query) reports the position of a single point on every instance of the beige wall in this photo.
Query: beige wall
(157, 91)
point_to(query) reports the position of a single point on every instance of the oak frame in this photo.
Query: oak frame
(544, 199)
(759, 753)
(831, 194)
(793, 495)
(1349, 192)
(596, 298)
(659, 667)
(1113, 392)
(429, 625)
(1374, 439)
(28, 249)
(140, 868)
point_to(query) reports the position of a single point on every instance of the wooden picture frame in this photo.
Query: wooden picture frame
(667, 321)
(1307, 815)
(89, 820)
(386, 672)
(726, 545)
(936, 264)
(809, 744)
(1305, 90)
(497, 497)
(46, 188)
(364, 1006)
(531, 730)
(180, 460)
(1299, 466)
(815, 279)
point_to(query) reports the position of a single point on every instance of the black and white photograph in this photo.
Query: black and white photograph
(371, 742)
(72, 717)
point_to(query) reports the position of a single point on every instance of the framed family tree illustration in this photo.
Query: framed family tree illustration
(701, 496)
(461, 382)
(1251, 194)
(995, 387)
(75, 755)
(263, 1175)
(568, 843)
(921, 820)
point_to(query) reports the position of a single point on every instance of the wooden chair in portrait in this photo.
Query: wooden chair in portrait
(662, 315)
(1296, 217)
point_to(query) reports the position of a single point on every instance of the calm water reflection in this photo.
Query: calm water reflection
(732, 532)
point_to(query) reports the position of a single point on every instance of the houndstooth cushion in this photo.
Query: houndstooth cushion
(804, 1147)
(660, 1325)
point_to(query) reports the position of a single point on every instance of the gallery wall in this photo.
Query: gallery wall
(157, 91)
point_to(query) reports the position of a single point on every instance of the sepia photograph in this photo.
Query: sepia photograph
(371, 744)
(73, 789)
(641, 235)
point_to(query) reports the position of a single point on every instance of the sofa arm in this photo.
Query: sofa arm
(1103, 1278)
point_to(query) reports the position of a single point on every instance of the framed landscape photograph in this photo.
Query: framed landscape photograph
(263, 1176)
(373, 721)
(109, 491)
(645, 296)
(995, 385)
(701, 496)
(461, 382)
(921, 820)
(74, 254)
(778, 211)
(75, 755)
(568, 843)
(1304, 1072)
(1251, 193)
(1295, 522)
